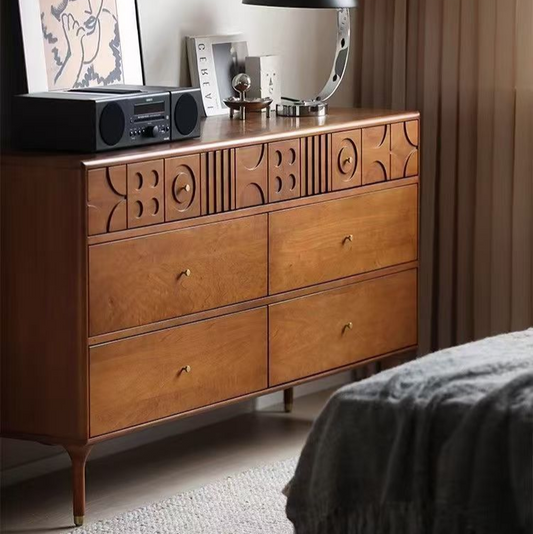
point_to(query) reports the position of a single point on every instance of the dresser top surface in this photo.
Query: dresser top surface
(219, 133)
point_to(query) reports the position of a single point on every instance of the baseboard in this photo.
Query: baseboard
(58, 459)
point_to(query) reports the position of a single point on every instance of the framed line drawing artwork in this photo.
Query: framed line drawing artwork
(74, 44)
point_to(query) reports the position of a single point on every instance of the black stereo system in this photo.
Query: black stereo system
(106, 118)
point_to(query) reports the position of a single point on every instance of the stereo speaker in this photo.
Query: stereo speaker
(187, 112)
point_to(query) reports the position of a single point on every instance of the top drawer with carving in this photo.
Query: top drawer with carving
(142, 194)
(341, 238)
(375, 154)
(148, 279)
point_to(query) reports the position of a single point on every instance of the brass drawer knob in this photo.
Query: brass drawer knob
(186, 369)
(348, 238)
(348, 160)
(187, 272)
(348, 326)
(187, 188)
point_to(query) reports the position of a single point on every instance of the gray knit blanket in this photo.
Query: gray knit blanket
(441, 445)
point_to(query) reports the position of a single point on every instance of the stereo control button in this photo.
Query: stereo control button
(151, 131)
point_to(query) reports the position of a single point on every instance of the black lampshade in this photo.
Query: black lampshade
(312, 4)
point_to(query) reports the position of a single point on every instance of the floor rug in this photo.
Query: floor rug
(246, 503)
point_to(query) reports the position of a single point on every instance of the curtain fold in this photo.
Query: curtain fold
(467, 65)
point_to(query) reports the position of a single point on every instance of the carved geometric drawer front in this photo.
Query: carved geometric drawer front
(284, 166)
(346, 160)
(145, 194)
(315, 157)
(251, 176)
(404, 152)
(218, 181)
(182, 188)
(376, 154)
(106, 200)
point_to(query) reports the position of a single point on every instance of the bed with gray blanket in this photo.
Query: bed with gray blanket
(441, 445)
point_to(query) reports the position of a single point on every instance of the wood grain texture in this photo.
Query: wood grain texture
(248, 305)
(284, 170)
(346, 160)
(44, 322)
(311, 335)
(218, 181)
(376, 154)
(182, 188)
(310, 245)
(146, 193)
(404, 149)
(143, 378)
(106, 200)
(251, 174)
(143, 280)
(248, 212)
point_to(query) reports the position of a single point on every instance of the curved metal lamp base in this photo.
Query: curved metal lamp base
(318, 107)
(302, 109)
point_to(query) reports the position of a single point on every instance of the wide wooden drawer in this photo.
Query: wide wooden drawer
(157, 375)
(148, 279)
(340, 238)
(314, 334)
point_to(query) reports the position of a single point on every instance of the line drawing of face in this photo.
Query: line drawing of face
(81, 42)
(93, 30)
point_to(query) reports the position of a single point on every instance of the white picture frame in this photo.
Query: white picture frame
(213, 61)
(46, 49)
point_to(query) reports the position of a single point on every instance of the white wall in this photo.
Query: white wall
(305, 40)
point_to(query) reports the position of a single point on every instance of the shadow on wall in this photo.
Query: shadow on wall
(12, 78)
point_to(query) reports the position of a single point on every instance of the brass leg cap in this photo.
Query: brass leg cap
(78, 520)
(288, 407)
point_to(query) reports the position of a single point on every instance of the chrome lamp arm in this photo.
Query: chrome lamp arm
(341, 55)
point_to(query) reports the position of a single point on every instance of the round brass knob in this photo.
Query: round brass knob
(349, 238)
(187, 272)
(186, 369)
(187, 187)
(348, 326)
(348, 160)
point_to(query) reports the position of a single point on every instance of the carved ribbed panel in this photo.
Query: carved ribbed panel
(218, 181)
(106, 202)
(315, 164)
(404, 151)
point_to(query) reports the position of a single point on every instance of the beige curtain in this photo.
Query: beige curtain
(467, 66)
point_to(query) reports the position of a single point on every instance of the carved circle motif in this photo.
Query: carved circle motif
(292, 156)
(292, 179)
(139, 181)
(139, 209)
(155, 178)
(154, 206)
(279, 184)
(184, 188)
(348, 159)
(279, 158)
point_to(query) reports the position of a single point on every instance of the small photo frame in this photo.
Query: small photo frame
(75, 44)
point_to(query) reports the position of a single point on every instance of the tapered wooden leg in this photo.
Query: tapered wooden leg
(288, 399)
(78, 455)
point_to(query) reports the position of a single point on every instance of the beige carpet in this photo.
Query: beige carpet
(247, 503)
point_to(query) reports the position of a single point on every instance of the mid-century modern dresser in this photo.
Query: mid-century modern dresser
(146, 285)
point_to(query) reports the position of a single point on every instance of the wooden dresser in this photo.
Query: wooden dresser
(143, 286)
